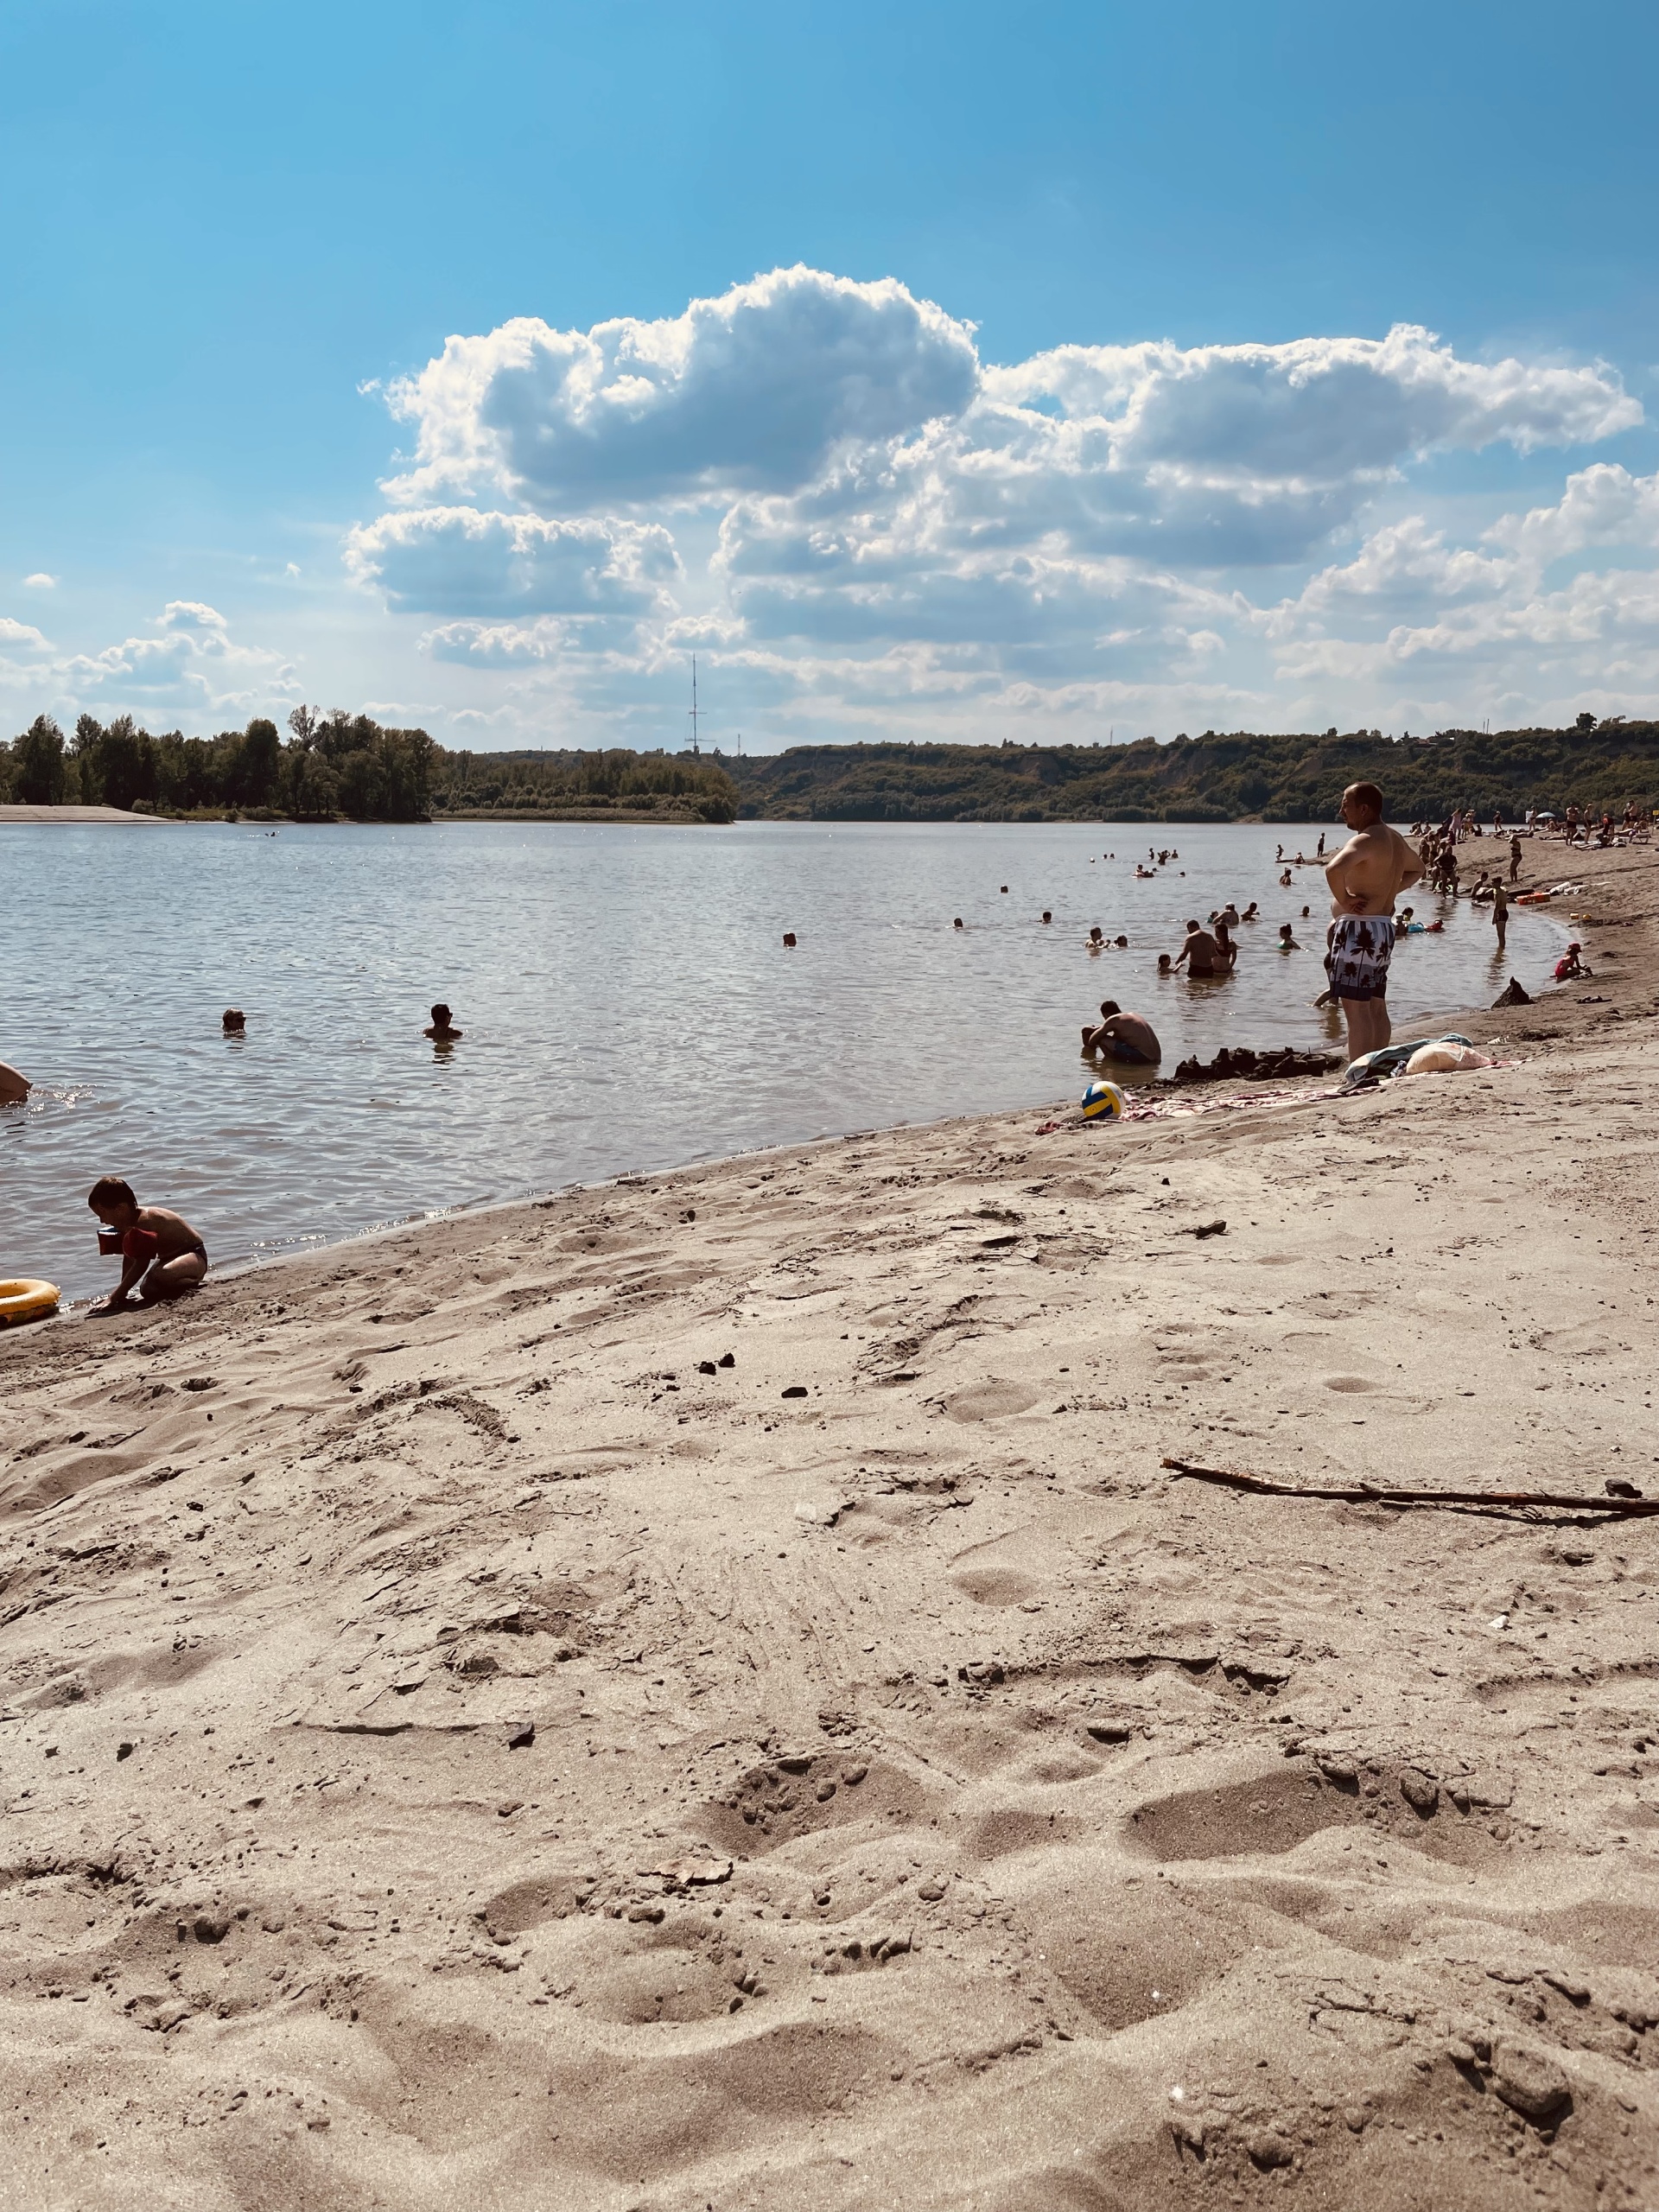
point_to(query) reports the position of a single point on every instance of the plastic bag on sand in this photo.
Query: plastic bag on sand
(1445, 1058)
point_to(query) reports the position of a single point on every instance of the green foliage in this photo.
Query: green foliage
(310, 787)
(349, 764)
(339, 764)
(36, 770)
(1214, 777)
(380, 775)
(674, 784)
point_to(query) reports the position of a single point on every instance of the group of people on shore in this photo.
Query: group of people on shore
(1577, 826)
(1585, 827)
(1441, 868)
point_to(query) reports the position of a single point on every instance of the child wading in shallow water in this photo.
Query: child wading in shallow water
(162, 1255)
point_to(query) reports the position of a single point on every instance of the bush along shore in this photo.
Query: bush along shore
(339, 765)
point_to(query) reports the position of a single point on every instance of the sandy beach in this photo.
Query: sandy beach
(703, 1692)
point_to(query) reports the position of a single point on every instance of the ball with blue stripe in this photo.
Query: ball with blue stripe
(1103, 1102)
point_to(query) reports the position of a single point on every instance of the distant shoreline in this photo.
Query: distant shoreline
(69, 817)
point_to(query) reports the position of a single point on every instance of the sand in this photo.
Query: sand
(702, 1693)
(72, 817)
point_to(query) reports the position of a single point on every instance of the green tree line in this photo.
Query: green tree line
(339, 764)
(668, 784)
(334, 764)
(1214, 778)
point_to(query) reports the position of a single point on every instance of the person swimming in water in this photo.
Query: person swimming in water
(442, 1030)
(14, 1086)
(161, 1256)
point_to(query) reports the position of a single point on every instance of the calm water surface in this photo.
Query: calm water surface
(626, 1001)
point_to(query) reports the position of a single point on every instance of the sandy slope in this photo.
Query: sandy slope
(71, 815)
(399, 1647)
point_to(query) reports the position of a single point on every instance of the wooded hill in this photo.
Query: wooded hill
(340, 764)
(1214, 778)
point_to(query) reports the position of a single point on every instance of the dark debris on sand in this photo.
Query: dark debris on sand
(1238, 1062)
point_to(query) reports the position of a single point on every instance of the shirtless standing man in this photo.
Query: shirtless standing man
(1199, 954)
(1366, 876)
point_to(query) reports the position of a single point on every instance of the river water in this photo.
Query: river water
(627, 1001)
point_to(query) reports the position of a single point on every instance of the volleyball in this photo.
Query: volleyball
(1103, 1102)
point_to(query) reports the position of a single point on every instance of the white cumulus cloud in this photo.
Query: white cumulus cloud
(818, 485)
(755, 388)
(459, 561)
(1603, 505)
(192, 666)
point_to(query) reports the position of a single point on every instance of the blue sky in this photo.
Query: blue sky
(324, 332)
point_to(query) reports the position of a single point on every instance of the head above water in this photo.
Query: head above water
(1362, 805)
(440, 1016)
(234, 1020)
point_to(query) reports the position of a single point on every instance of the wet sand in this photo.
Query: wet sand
(702, 1692)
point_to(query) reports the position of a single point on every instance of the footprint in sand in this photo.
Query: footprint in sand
(995, 1586)
(797, 1795)
(991, 1400)
(1273, 1813)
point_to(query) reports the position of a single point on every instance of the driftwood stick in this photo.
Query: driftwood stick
(1631, 1509)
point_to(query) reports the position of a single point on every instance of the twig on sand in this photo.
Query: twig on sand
(1630, 1509)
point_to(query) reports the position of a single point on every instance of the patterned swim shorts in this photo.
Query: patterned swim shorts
(1357, 962)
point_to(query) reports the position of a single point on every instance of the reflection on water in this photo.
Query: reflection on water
(625, 995)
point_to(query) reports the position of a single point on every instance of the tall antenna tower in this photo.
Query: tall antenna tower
(694, 703)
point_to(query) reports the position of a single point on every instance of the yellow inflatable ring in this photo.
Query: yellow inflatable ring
(26, 1300)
